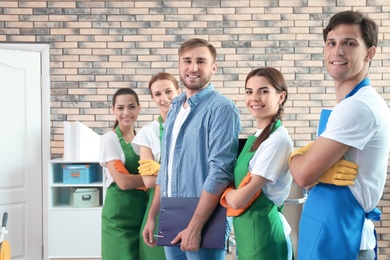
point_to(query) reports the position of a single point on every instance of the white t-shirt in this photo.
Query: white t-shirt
(149, 136)
(362, 121)
(271, 162)
(110, 149)
(181, 117)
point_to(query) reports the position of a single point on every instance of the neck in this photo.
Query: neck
(261, 124)
(191, 92)
(163, 115)
(127, 133)
(343, 88)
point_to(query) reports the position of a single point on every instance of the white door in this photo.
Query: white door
(21, 151)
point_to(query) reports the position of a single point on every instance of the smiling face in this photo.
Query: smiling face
(126, 110)
(196, 66)
(163, 91)
(346, 55)
(262, 100)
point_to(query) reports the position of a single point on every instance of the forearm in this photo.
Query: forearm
(207, 204)
(155, 207)
(125, 181)
(308, 168)
(302, 177)
(146, 169)
(239, 198)
(128, 181)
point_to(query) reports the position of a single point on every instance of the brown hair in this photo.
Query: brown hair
(120, 92)
(368, 27)
(275, 77)
(161, 76)
(196, 42)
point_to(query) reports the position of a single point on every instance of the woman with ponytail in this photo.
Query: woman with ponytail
(262, 180)
(126, 197)
(163, 88)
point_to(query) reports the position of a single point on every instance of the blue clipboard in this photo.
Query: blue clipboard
(175, 214)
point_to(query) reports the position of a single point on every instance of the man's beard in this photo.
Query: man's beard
(203, 82)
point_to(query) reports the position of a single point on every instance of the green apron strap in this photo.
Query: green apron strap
(131, 158)
(241, 166)
(276, 125)
(160, 122)
(261, 221)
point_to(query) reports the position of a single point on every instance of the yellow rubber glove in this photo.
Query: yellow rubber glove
(148, 167)
(300, 151)
(231, 212)
(342, 173)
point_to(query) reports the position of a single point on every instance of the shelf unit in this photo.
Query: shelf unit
(72, 232)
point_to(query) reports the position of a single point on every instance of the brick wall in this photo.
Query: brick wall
(97, 47)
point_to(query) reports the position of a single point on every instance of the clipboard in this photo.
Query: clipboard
(175, 214)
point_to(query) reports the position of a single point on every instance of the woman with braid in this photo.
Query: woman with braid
(262, 180)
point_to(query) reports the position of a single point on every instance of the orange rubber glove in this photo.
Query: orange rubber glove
(120, 167)
(223, 198)
(231, 212)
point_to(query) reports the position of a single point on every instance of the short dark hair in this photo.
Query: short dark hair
(368, 27)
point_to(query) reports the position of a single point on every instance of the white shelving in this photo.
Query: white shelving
(72, 232)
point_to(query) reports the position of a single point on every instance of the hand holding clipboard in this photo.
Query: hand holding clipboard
(175, 214)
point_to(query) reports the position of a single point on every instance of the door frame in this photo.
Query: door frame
(43, 49)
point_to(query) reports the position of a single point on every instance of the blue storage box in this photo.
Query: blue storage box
(79, 173)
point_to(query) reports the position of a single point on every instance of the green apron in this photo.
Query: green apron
(259, 231)
(146, 252)
(122, 214)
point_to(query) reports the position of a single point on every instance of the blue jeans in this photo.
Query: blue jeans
(174, 253)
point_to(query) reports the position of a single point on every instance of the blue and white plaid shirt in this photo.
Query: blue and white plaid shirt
(206, 147)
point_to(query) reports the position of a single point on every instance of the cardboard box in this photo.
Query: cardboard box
(84, 197)
(79, 173)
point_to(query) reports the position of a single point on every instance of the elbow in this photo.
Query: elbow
(300, 177)
(301, 182)
(149, 181)
(121, 185)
